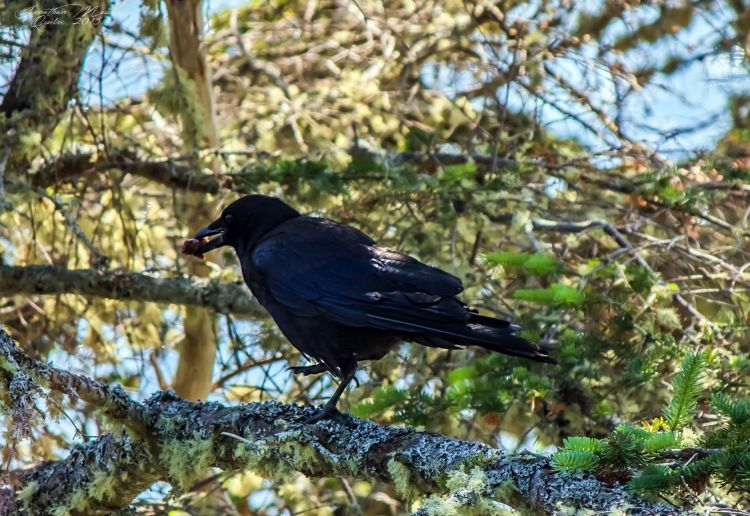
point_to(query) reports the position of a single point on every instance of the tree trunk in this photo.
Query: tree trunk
(198, 348)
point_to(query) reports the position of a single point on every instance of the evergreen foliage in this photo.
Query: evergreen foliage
(478, 386)
(657, 459)
(686, 388)
(556, 295)
(534, 264)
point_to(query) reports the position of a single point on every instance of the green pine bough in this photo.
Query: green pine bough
(660, 458)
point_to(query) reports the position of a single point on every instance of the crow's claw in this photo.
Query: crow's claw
(327, 412)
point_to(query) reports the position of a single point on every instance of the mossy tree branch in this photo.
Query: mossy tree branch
(110, 399)
(186, 438)
(181, 174)
(68, 167)
(222, 297)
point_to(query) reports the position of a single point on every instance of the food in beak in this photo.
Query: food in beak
(192, 246)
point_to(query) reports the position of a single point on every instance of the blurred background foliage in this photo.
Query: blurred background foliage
(518, 145)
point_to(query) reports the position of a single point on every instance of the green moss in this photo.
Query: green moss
(302, 457)
(475, 481)
(467, 495)
(7, 365)
(187, 460)
(274, 466)
(258, 457)
(76, 503)
(248, 454)
(567, 510)
(401, 478)
(437, 505)
(491, 508)
(440, 505)
(286, 455)
(101, 488)
(27, 493)
(280, 461)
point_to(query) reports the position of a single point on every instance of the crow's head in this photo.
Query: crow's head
(241, 224)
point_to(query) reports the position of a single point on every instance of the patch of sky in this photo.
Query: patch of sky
(7, 252)
(113, 71)
(679, 115)
(686, 112)
(262, 499)
(238, 344)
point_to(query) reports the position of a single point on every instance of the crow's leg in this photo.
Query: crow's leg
(308, 370)
(329, 409)
(314, 369)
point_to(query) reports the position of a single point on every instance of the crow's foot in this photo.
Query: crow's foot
(326, 412)
(347, 370)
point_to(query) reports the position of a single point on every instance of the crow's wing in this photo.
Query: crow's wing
(317, 267)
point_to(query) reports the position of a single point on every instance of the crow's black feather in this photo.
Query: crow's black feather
(339, 297)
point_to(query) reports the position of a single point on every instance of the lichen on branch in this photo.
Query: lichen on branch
(41, 280)
(181, 440)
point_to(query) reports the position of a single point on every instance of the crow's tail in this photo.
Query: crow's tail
(449, 332)
(485, 332)
(498, 335)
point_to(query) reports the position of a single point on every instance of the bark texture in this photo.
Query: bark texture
(188, 52)
(182, 440)
(41, 279)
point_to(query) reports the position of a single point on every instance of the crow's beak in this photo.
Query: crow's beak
(215, 228)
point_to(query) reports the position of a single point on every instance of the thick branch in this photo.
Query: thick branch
(112, 400)
(170, 173)
(187, 438)
(167, 172)
(273, 439)
(39, 279)
(97, 478)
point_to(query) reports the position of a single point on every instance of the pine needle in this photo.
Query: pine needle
(686, 388)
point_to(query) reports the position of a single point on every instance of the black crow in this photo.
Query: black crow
(340, 298)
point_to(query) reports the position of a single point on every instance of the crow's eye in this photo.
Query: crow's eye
(229, 218)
